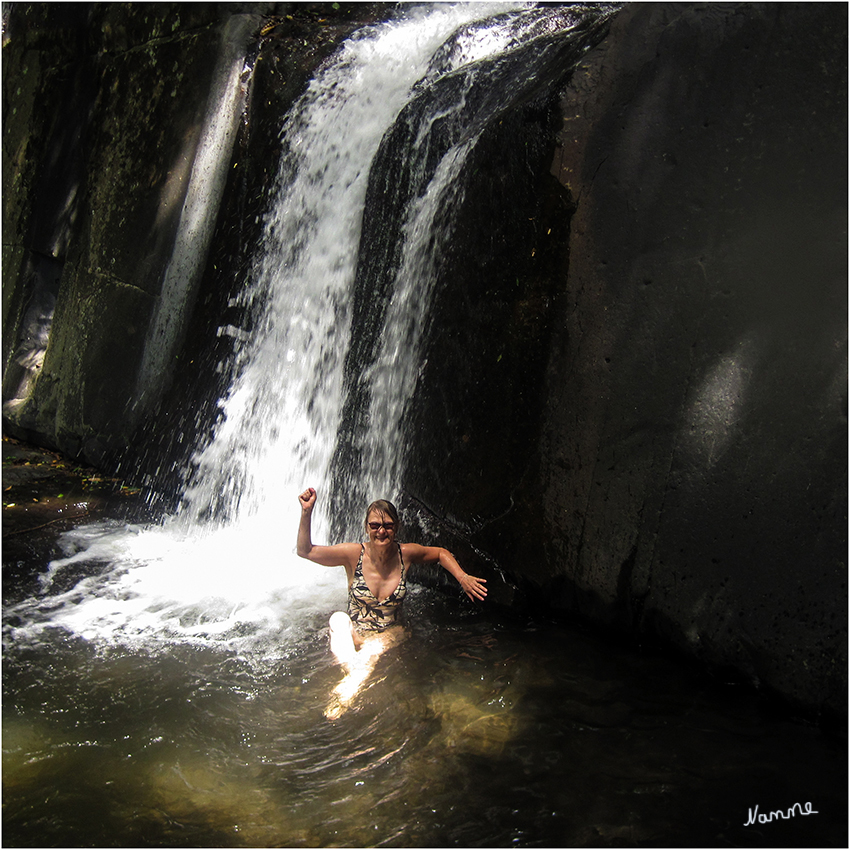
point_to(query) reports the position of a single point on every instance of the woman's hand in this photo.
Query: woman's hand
(473, 587)
(307, 499)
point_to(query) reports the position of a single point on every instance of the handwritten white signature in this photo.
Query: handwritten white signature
(796, 809)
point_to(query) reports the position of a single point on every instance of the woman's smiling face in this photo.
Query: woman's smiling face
(380, 527)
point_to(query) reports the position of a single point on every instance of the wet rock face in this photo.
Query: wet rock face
(705, 364)
(106, 108)
(680, 469)
(116, 105)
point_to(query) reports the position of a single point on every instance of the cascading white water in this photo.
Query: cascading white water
(223, 570)
(393, 375)
(282, 414)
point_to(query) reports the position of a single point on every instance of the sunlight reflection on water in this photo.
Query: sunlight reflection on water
(468, 733)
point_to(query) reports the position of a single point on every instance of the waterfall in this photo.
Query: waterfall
(281, 415)
(362, 204)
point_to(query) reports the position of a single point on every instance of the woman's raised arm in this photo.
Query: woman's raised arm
(326, 556)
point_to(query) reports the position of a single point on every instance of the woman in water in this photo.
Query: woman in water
(377, 574)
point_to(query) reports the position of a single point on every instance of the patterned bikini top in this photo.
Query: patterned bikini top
(367, 613)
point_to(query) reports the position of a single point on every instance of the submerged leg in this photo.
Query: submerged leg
(357, 665)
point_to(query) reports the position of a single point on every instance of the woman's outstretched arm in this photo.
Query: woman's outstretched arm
(413, 553)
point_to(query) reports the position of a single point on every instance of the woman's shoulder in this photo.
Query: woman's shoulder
(353, 552)
(417, 552)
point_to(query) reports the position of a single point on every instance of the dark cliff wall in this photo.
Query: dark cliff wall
(707, 311)
(95, 178)
(652, 432)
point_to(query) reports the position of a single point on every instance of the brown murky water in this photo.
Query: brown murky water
(469, 733)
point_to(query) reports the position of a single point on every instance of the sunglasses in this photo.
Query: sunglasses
(376, 525)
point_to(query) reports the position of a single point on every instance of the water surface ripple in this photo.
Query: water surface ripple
(470, 733)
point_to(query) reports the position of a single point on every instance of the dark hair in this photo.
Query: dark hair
(385, 508)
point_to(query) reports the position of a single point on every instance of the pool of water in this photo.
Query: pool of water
(470, 732)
